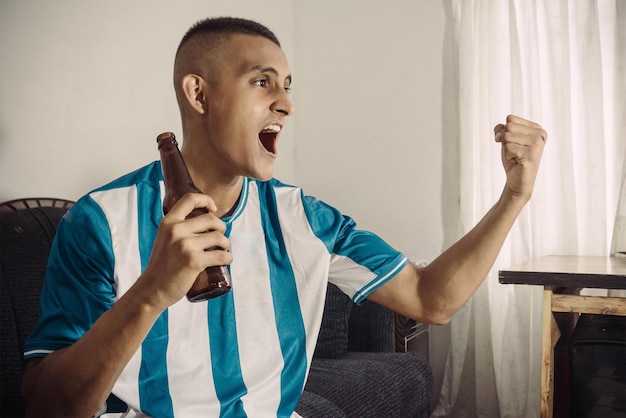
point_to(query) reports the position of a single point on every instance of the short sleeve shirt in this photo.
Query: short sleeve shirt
(246, 353)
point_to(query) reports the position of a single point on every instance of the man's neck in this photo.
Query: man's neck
(221, 184)
(224, 189)
(224, 194)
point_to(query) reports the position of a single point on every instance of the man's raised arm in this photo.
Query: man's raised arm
(434, 293)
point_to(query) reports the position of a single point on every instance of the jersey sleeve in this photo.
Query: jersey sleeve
(79, 284)
(360, 261)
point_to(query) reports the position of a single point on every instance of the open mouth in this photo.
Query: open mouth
(268, 137)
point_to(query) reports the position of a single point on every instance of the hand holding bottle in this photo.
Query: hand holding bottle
(179, 254)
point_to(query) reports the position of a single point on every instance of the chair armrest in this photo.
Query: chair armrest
(374, 384)
(314, 405)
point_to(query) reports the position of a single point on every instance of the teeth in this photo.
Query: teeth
(272, 128)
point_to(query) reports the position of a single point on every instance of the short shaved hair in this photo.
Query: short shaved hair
(197, 51)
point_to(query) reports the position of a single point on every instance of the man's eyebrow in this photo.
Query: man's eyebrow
(268, 69)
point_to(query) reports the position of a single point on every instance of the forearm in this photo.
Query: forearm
(76, 380)
(434, 293)
(450, 280)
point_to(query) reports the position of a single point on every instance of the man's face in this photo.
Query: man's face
(247, 106)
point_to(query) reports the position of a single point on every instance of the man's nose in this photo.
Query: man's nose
(283, 104)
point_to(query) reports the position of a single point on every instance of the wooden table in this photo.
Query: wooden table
(563, 277)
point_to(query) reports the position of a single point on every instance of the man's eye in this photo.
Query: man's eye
(261, 82)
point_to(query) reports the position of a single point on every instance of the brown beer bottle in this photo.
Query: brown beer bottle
(213, 281)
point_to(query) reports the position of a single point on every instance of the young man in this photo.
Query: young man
(114, 314)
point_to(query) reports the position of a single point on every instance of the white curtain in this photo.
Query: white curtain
(560, 63)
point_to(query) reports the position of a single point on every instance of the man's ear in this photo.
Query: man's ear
(195, 90)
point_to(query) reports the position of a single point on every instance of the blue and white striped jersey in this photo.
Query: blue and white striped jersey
(246, 353)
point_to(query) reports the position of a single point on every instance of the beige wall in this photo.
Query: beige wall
(86, 87)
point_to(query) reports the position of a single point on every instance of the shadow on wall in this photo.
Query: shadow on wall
(450, 188)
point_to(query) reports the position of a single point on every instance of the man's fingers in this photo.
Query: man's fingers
(206, 222)
(499, 130)
(519, 130)
(189, 202)
(522, 121)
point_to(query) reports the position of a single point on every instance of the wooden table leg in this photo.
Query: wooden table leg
(550, 335)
